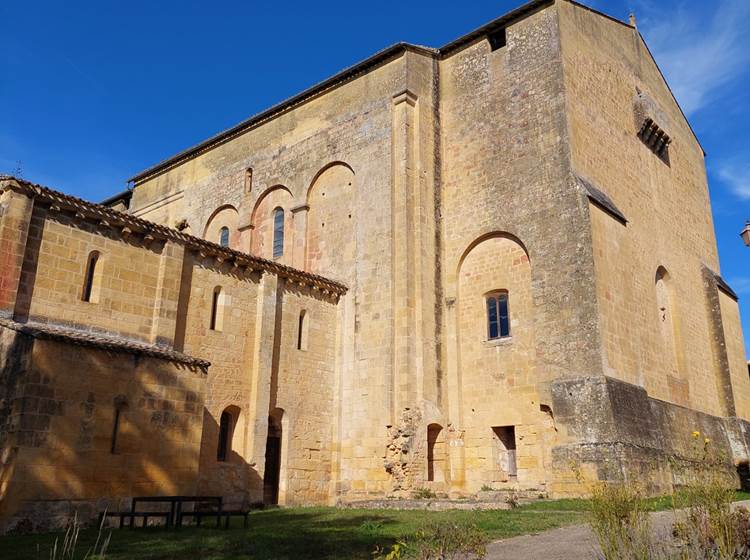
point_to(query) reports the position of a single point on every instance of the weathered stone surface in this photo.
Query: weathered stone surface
(354, 360)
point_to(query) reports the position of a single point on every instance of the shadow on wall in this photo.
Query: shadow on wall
(223, 471)
(83, 430)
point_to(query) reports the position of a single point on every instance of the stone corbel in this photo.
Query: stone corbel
(405, 96)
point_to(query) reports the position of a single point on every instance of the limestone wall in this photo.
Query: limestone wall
(59, 446)
(125, 284)
(510, 220)
(354, 172)
(660, 342)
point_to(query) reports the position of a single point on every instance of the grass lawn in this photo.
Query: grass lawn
(291, 533)
(308, 533)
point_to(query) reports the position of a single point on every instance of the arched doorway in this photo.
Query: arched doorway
(435, 453)
(271, 475)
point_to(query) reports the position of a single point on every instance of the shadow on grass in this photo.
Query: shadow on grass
(317, 534)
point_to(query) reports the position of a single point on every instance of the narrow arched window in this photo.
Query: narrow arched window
(278, 232)
(120, 407)
(217, 309)
(89, 293)
(225, 436)
(302, 331)
(248, 180)
(498, 316)
(224, 237)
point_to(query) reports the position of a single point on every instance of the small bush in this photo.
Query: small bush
(620, 521)
(707, 527)
(440, 541)
(487, 488)
(423, 494)
(371, 525)
(512, 500)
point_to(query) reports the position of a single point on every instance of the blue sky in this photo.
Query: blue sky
(93, 92)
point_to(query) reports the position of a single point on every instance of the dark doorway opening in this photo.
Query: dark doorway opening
(505, 445)
(272, 473)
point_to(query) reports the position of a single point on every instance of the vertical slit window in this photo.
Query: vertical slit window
(302, 331)
(498, 316)
(120, 407)
(224, 237)
(91, 275)
(225, 428)
(278, 232)
(217, 310)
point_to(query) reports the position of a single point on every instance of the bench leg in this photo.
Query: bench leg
(244, 521)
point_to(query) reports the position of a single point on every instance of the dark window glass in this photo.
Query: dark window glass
(498, 316)
(215, 308)
(278, 232)
(225, 423)
(115, 430)
(503, 315)
(492, 317)
(224, 237)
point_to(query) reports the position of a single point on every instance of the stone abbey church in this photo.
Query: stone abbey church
(444, 268)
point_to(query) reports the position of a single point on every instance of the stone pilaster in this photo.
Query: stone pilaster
(15, 217)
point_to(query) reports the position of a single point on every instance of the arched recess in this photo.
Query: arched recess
(224, 216)
(331, 240)
(231, 430)
(668, 321)
(495, 263)
(262, 219)
(493, 369)
(436, 453)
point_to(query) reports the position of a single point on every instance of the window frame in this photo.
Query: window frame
(224, 236)
(492, 302)
(90, 277)
(216, 321)
(277, 243)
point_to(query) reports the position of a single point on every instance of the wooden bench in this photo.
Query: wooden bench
(133, 515)
(220, 515)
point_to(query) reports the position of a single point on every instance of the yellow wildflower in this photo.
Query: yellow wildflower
(696, 434)
(706, 440)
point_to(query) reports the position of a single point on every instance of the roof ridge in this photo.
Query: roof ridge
(344, 75)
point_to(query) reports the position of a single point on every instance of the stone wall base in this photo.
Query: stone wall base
(618, 432)
(39, 516)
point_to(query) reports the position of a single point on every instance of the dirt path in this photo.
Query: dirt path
(576, 542)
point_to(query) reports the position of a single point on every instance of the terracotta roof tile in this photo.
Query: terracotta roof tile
(112, 218)
(68, 335)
